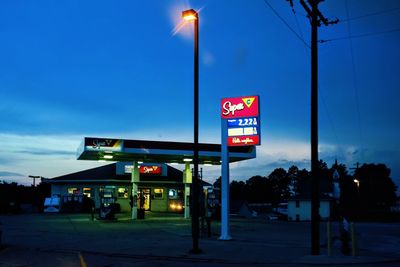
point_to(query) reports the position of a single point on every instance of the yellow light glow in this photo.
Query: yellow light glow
(187, 160)
(174, 206)
(108, 156)
(189, 15)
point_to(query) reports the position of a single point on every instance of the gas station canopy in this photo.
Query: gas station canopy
(109, 149)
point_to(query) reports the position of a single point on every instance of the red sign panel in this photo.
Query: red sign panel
(244, 140)
(150, 170)
(237, 107)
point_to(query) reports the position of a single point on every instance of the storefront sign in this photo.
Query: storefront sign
(100, 144)
(150, 170)
(242, 117)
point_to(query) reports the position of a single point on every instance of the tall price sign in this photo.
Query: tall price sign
(243, 120)
(240, 126)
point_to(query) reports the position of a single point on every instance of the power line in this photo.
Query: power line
(372, 14)
(360, 35)
(287, 24)
(355, 84)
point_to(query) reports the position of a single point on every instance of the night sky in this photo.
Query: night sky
(70, 69)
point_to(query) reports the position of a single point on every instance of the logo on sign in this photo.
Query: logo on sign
(238, 107)
(248, 101)
(103, 144)
(150, 170)
(231, 108)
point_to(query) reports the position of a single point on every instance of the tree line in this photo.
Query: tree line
(367, 192)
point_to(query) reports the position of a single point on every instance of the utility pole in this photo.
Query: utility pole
(316, 17)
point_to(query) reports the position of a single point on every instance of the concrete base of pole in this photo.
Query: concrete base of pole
(225, 238)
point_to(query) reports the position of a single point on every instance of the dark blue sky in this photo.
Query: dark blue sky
(71, 69)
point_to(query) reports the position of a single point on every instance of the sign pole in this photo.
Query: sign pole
(240, 126)
(225, 235)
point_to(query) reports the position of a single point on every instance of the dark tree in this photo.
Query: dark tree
(293, 173)
(237, 190)
(257, 189)
(278, 183)
(377, 190)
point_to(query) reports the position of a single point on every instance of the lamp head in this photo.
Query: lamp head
(189, 15)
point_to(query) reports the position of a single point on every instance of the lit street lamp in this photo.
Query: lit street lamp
(357, 182)
(192, 15)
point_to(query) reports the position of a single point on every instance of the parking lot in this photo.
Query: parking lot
(159, 240)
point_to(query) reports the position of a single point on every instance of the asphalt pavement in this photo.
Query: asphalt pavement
(166, 240)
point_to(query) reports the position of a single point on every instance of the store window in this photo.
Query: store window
(158, 193)
(87, 191)
(73, 190)
(123, 192)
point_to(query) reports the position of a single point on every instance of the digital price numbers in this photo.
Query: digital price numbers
(243, 126)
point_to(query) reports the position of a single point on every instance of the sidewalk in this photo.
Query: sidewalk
(42, 240)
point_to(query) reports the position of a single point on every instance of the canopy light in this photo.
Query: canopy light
(187, 160)
(108, 156)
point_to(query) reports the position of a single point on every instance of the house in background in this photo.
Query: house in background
(299, 209)
(299, 206)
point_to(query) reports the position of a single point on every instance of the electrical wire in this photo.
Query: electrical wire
(360, 35)
(372, 14)
(287, 24)
(355, 84)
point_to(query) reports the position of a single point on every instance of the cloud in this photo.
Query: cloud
(47, 152)
(5, 173)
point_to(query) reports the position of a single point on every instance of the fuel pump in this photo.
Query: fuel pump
(107, 200)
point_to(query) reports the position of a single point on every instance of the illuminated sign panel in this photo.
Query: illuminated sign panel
(100, 144)
(244, 140)
(242, 117)
(150, 170)
(238, 107)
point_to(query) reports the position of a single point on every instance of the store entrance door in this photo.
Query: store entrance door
(143, 198)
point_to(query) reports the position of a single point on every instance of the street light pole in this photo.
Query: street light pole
(34, 179)
(192, 15)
